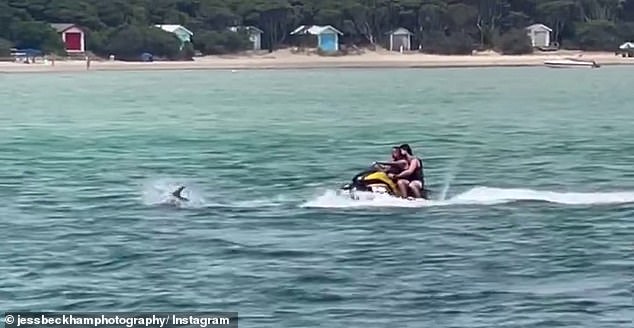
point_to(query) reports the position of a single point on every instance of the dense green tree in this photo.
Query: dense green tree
(5, 48)
(442, 26)
(218, 43)
(627, 10)
(558, 14)
(459, 43)
(514, 42)
(130, 41)
(597, 35)
(33, 34)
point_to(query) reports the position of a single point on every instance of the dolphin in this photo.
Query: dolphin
(177, 194)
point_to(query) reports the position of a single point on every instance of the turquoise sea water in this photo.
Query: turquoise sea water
(531, 170)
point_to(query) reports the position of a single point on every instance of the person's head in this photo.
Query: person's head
(396, 153)
(406, 150)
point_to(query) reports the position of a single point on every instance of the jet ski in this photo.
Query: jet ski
(373, 180)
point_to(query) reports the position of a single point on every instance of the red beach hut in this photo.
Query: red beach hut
(72, 36)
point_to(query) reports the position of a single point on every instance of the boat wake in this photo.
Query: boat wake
(158, 192)
(475, 196)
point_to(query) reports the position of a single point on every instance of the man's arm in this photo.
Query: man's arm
(413, 165)
(400, 162)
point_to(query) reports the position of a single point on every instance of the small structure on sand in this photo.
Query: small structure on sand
(254, 34)
(74, 38)
(626, 49)
(400, 40)
(182, 33)
(327, 36)
(539, 35)
(27, 56)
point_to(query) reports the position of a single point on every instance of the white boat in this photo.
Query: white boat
(570, 62)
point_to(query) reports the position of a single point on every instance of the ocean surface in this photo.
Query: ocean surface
(531, 171)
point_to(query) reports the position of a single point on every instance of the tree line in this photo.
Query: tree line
(124, 27)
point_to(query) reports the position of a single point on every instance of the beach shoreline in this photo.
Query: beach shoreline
(287, 60)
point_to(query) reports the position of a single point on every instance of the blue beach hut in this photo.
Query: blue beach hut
(327, 36)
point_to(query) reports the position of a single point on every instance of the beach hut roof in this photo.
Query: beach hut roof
(400, 31)
(539, 27)
(173, 27)
(61, 27)
(253, 29)
(315, 30)
(247, 28)
(627, 45)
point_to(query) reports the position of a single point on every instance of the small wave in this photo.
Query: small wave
(475, 196)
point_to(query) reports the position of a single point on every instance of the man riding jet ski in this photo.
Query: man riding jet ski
(400, 177)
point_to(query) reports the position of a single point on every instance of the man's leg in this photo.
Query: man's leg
(416, 187)
(403, 186)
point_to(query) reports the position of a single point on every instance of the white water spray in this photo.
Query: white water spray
(449, 177)
(475, 196)
(159, 192)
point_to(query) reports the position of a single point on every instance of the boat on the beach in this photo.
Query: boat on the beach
(571, 62)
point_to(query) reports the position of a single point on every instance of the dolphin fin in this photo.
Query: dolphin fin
(177, 193)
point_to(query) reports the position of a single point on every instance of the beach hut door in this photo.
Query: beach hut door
(328, 42)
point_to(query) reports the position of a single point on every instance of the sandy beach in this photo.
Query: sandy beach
(285, 59)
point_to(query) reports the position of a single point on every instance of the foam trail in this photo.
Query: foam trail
(475, 196)
(498, 195)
